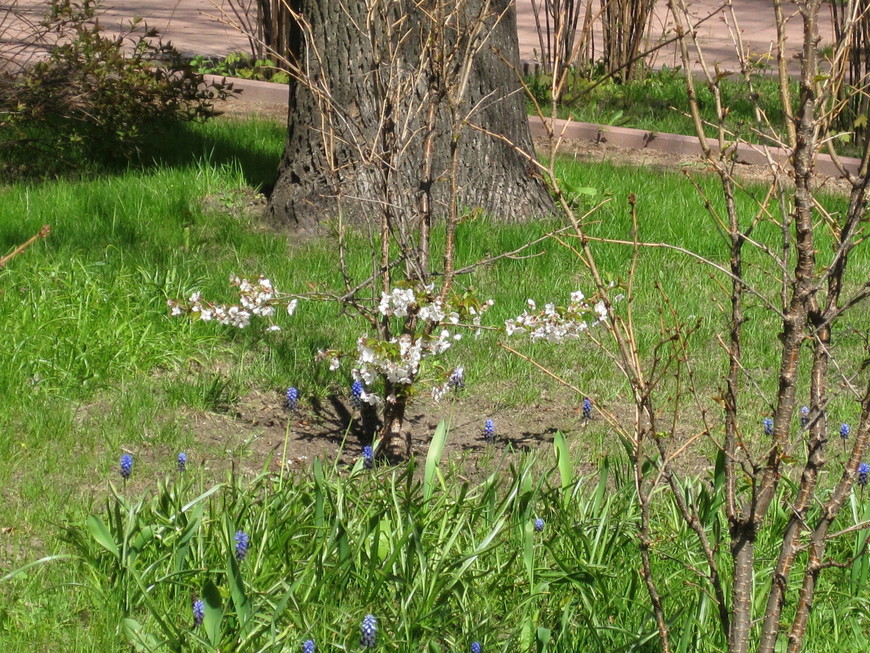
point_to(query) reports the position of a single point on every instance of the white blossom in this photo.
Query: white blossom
(554, 324)
(601, 309)
(397, 302)
(433, 312)
(438, 391)
(255, 299)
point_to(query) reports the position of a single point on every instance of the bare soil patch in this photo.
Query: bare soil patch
(260, 428)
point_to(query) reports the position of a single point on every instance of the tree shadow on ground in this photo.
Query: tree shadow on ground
(169, 145)
(184, 145)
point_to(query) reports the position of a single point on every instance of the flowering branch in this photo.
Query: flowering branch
(557, 324)
(259, 298)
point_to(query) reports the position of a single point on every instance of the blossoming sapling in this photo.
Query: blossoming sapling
(426, 324)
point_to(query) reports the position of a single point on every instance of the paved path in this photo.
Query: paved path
(755, 19)
(206, 26)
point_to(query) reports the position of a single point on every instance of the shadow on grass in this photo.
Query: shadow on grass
(255, 146)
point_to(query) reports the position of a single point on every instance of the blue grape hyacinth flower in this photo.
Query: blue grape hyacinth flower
(368, 456)
(475, 647)
(308, 646)
(805, 416)
(369, 631)
(126, 466)
(539, 524)
(356, 391)
(181, 462)
(844, 430)
(587, 408)
(863, 473)
(198, 612)
(768, 426)
(292, 398)
(242, 544)
(489, 431)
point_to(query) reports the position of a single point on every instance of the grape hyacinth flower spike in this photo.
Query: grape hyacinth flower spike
(368, 456)
(198, 612)
(805, 416)
(126, 466)
(242, 543)
(181, 462)
(489, 431)
(369, 631)
(292, 398)
(768, 426)
(539, 524)
(308, 646)
(863, 473)
(475, 647)
(844, 433)
(356, 392)
(587, 409)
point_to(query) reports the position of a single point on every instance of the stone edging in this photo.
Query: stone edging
(636, 139)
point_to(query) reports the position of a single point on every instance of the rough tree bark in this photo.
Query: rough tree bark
(340, 123)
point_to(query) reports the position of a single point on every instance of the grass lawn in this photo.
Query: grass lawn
(94, 367)
(659, 103)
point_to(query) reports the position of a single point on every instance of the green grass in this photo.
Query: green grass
(328, 548)
(659, 103)
(92, 364)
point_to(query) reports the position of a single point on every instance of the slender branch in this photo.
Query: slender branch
(43, 233)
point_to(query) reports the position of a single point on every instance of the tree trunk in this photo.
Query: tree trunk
(357, 123)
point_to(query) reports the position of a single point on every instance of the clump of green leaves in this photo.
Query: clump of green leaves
(94, 96)
(242, 65)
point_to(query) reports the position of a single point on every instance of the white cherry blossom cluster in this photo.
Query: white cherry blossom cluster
(256, 298)
(557, 324)
(428, 307)
(398, 302)
(398, 359)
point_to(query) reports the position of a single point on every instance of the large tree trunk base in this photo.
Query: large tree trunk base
(367, 152)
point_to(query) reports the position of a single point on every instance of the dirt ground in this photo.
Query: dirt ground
(260, 427)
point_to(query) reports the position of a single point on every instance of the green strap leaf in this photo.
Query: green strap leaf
(214, 612)
(433, 458)
(24, 568)
(100, 532)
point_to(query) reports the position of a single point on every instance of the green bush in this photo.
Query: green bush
(94, 96)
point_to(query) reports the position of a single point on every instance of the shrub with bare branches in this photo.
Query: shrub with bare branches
(68, 89)
(794, 261)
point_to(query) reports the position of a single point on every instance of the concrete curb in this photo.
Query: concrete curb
(636, 139)
(253, 90)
